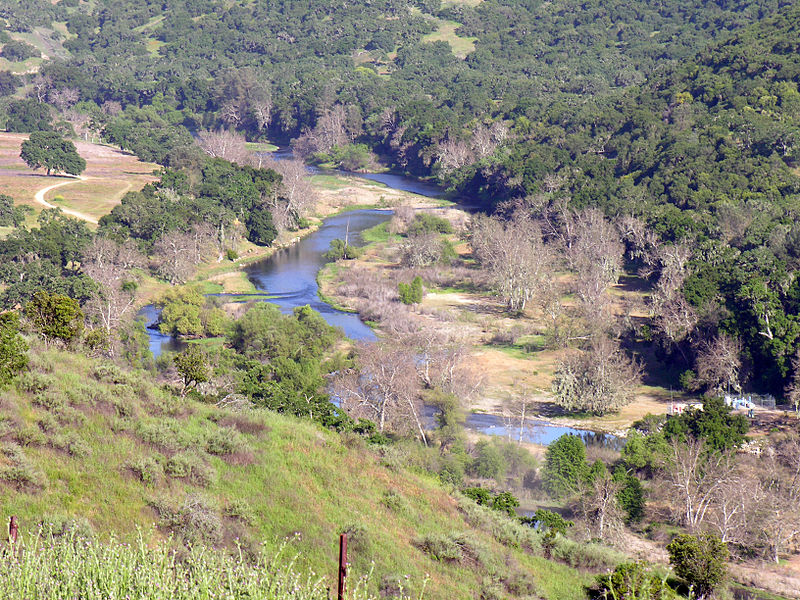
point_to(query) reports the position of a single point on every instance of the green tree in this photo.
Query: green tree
(28, 115)
(48, 150)
(13, 349)
(181, 312)
(489, 462)
(10, 215)
(17, 51)
(565, 466)
(192, 366)
(715, 424)
(411, 293)
(700, 560)
(55, 317)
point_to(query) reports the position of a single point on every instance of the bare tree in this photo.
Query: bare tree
(223, 143)
(793, 387)
(384, 387)
(177, 254)
(297, 196)
(695, 477)
(599, 506)
(110, 265)
(421, 250)
(514, 254)
(452, 154)
(595, 252)
(597, 380)
(719, 363)
(779, 522)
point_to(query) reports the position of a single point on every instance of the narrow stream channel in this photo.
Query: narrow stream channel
(288, 278)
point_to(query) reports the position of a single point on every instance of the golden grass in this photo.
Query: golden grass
(110, 172)
(461, 46)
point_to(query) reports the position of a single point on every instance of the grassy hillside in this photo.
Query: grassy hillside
(86, 445)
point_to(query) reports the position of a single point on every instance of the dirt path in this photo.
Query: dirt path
(39, 197)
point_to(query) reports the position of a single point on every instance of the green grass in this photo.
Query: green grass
(329, 182)
(460, 46)
(261, 146)
(100, 445)
(379, 234)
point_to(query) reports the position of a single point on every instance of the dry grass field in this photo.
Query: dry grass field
(110, 173)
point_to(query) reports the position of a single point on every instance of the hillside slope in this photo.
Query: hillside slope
(86, 444)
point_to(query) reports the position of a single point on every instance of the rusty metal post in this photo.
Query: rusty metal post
(342, 565)
(13, 529)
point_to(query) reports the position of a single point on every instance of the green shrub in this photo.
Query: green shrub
(632, 581)
(240, 510)
(194, 520)
(190, 466)
(224, 441)
(565, 466)
(148, 470)
(71, 443)
(489, 462)
(17, 470)
(411, 293)
(700, 560)
(428, 223)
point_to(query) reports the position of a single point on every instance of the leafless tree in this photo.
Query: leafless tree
(176, 254)
(337, 125)
(595, 252)
(384, 387)
(515, 255)
(452, 154)
(63, 98)
(719, 363)
(599, 506)
(421, 250)
(111, 265)
(598, 380)
(779, 521)
(223, 143)
(297, 197)
(694, 477)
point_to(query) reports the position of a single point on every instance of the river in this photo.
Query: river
(288, 278)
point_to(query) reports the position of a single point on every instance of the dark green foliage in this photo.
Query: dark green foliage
(28, 115)
(632, 581)
(505, 502)
(282, 361)
(565, 466)
(411, 293)
(700, 560)
(192, 366)
(552, 523)
(631, 496)
(341, 251)
(428, 223)
(480, 495)
(489, 462)
(55, 317)
(13, 349)
(260, 228)
(10, 215)
(17, 51)
(8, 83)
(714, 424)
(48, 150)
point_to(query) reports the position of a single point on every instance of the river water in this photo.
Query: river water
(288, 278)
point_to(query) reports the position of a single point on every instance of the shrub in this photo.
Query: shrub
(700, 560)
(195, 520)
(632, 581)
(17, 51)
(224, 441)
(593, 557)
(17, 470)
(190, 466)
(240, 510)
(72, 444)
(147, 469)
(489, 462)
(565, 465)
(411, 293)
(428, 223)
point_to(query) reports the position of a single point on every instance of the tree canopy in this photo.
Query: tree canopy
(48, 150)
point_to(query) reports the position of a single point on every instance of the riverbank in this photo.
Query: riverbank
(336, 194)
(508, 352)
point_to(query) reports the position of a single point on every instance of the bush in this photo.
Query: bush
(190, 466)
(17, 470)
(411, 293)
(341, 251)
(224, 441)
(700, 560)
(148, 470)
(194, 520)
(632, 581)
(456, 548)
(565, 466)
(428, 223)
(72, 444)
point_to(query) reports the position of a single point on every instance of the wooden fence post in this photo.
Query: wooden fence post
(13, 529)
(342, 565)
